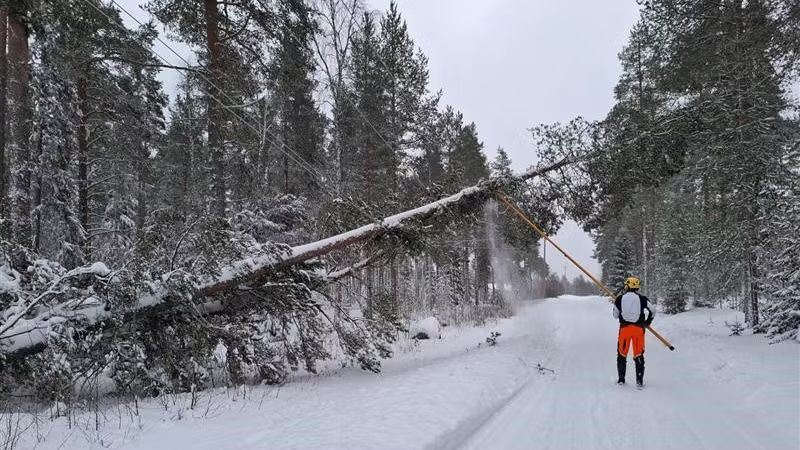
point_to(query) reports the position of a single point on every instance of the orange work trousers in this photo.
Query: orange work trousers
(630, 335)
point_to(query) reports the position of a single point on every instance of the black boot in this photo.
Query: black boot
(621, 364)
(639, 361)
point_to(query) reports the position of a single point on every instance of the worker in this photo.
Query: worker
(630, 309)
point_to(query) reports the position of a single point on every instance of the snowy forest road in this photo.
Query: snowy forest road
(706, 395)
(715, 392)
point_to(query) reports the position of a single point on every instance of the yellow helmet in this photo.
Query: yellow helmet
(632, 283)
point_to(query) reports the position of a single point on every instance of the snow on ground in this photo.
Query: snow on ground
(714, 391)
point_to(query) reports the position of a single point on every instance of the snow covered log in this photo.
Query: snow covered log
(307, 252)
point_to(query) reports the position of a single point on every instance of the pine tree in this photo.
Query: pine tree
(20, 113)
(299, 120)
(726, 62)
(368, 90)
(98, 175)
(738, 97)
(231, 40)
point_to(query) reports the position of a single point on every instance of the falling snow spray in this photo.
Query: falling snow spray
(508, 282)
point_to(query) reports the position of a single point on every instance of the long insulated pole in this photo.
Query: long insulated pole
(514, 208)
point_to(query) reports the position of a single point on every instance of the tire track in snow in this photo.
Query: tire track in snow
(583, 408)
(540, 346)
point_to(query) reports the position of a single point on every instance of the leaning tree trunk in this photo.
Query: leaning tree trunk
(18, 56)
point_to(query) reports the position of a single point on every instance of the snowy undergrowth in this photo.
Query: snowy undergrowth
(765, 376)
(430, 387)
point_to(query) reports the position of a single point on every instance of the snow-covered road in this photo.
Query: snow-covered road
(690, 399)
(714, 392)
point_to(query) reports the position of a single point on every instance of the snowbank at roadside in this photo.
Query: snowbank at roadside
(429, 388)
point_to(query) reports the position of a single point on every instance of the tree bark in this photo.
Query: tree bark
(141, 194)
(753, 297)
(18, 56)
(215, 116)
(36, 195)
(83, 155)
(3, 102)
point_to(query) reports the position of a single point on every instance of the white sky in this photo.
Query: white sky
(508, 65)
(511, 64)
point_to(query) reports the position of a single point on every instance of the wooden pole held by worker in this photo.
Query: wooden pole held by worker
(515, 209)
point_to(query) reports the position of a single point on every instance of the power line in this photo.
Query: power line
(382, 61)
(286, 150)
(289, 152)
(352, 103)
(292, 153)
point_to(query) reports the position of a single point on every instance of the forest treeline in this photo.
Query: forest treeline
(695, 181)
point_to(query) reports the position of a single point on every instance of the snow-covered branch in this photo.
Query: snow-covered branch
(17, 325)
(341, 273)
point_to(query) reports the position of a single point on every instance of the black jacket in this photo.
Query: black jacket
(643, 320)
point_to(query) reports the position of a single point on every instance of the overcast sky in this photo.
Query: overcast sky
(511, 64)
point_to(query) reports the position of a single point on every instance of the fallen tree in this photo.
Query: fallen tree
(465, 198)
(30, 327)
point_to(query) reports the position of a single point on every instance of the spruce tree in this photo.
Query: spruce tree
(501, 166)
(621, 264)
(779, 256)
(20, 127)
(183, 149)
(674, 252)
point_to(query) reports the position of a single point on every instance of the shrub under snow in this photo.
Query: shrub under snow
(427, 328)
